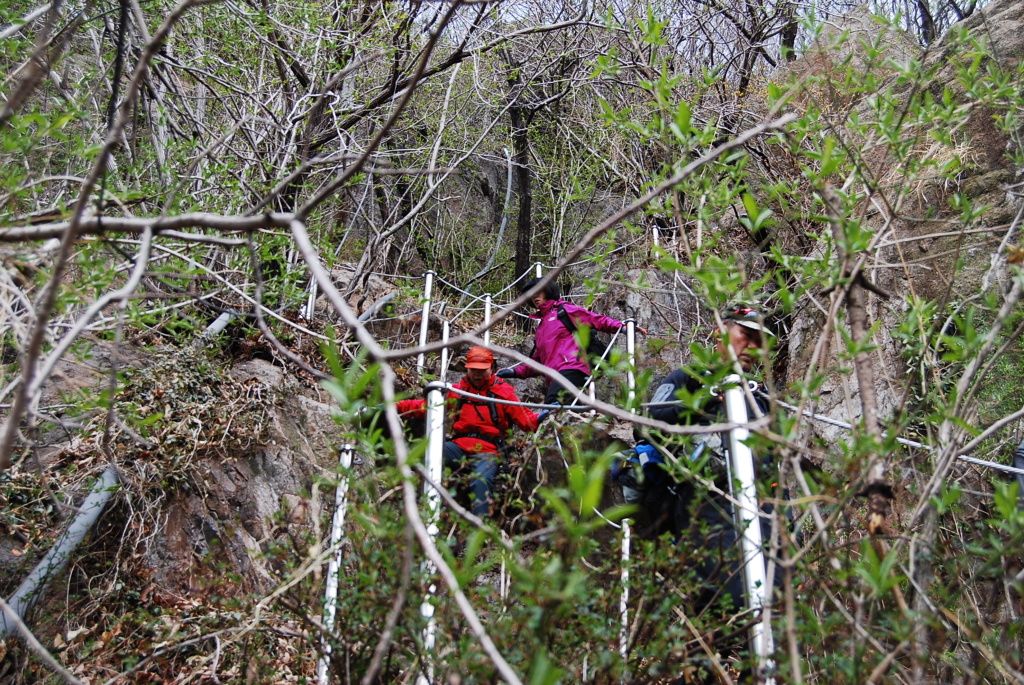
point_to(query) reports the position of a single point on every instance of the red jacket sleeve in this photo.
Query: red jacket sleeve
(520, 416)
(412, 409)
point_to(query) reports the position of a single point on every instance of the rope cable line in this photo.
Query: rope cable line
(903, 441)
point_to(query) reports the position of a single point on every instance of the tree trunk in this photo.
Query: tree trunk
(926, 24)
(876, 490)
(789, 34)
(521, 154)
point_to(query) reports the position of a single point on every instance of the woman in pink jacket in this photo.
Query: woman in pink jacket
(556, 348)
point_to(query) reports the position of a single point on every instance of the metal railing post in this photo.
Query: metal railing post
(487, 319)
(624, 599)
(428, 285)
(539, 269)
(631, 358)
(331, 592)
(435, 468)
(445, 332)
(744, 491)
(309, 308)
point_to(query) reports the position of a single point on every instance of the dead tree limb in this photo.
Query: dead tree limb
(876, 489)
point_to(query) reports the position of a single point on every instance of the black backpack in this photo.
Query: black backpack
(596, 345)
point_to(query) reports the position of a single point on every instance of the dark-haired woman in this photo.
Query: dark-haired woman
(556, 347)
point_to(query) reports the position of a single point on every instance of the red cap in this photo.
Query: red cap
(479, 358)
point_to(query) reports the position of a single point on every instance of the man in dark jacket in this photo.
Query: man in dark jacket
(1018, 462)
(696, 518)
(478, 427)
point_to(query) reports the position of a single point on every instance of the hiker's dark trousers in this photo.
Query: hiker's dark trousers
(485, 468)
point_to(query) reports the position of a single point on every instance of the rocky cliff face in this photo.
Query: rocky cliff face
(226, 463)
(925, 250)
(272, 488)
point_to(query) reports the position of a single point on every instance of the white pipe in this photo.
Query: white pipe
(33, 587)
(445, 332)
(504, 585)
(331, 592)
(624, 599)
(903, 441)
(435, 467)
(218, 325)
(744, 491)
(428, 285)
(365, 316)
(539, 269)
(487, 319)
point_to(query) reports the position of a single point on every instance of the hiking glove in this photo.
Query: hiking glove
(506, 373)
(546, 413)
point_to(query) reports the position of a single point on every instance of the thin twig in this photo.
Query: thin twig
(36, 646)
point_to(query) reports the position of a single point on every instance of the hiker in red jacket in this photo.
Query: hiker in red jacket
(479, 428)
(556, 348)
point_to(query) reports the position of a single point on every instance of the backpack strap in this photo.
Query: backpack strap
(491, 406)
(596, 347)
(496, 440)
(563, 316)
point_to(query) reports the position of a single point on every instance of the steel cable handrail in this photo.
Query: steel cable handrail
(785, 405)
(903, 441)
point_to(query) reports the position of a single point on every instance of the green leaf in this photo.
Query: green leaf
(877, 573)
(683, 117)
(1006, 499)
(542, 671)
(750, 204)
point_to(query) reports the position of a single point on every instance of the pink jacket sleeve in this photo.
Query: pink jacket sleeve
(523, 371)
(599, 322)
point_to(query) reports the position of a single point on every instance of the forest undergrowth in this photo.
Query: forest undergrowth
(294, 170)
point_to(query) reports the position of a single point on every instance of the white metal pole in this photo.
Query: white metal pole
(744, 491)
(631, 355)
(445, 332)
(428, 285)
(487, 319)
(435, 466)
(624, 599)
(539, 268)
(654, 233)
(331, 592)
(310, 306)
